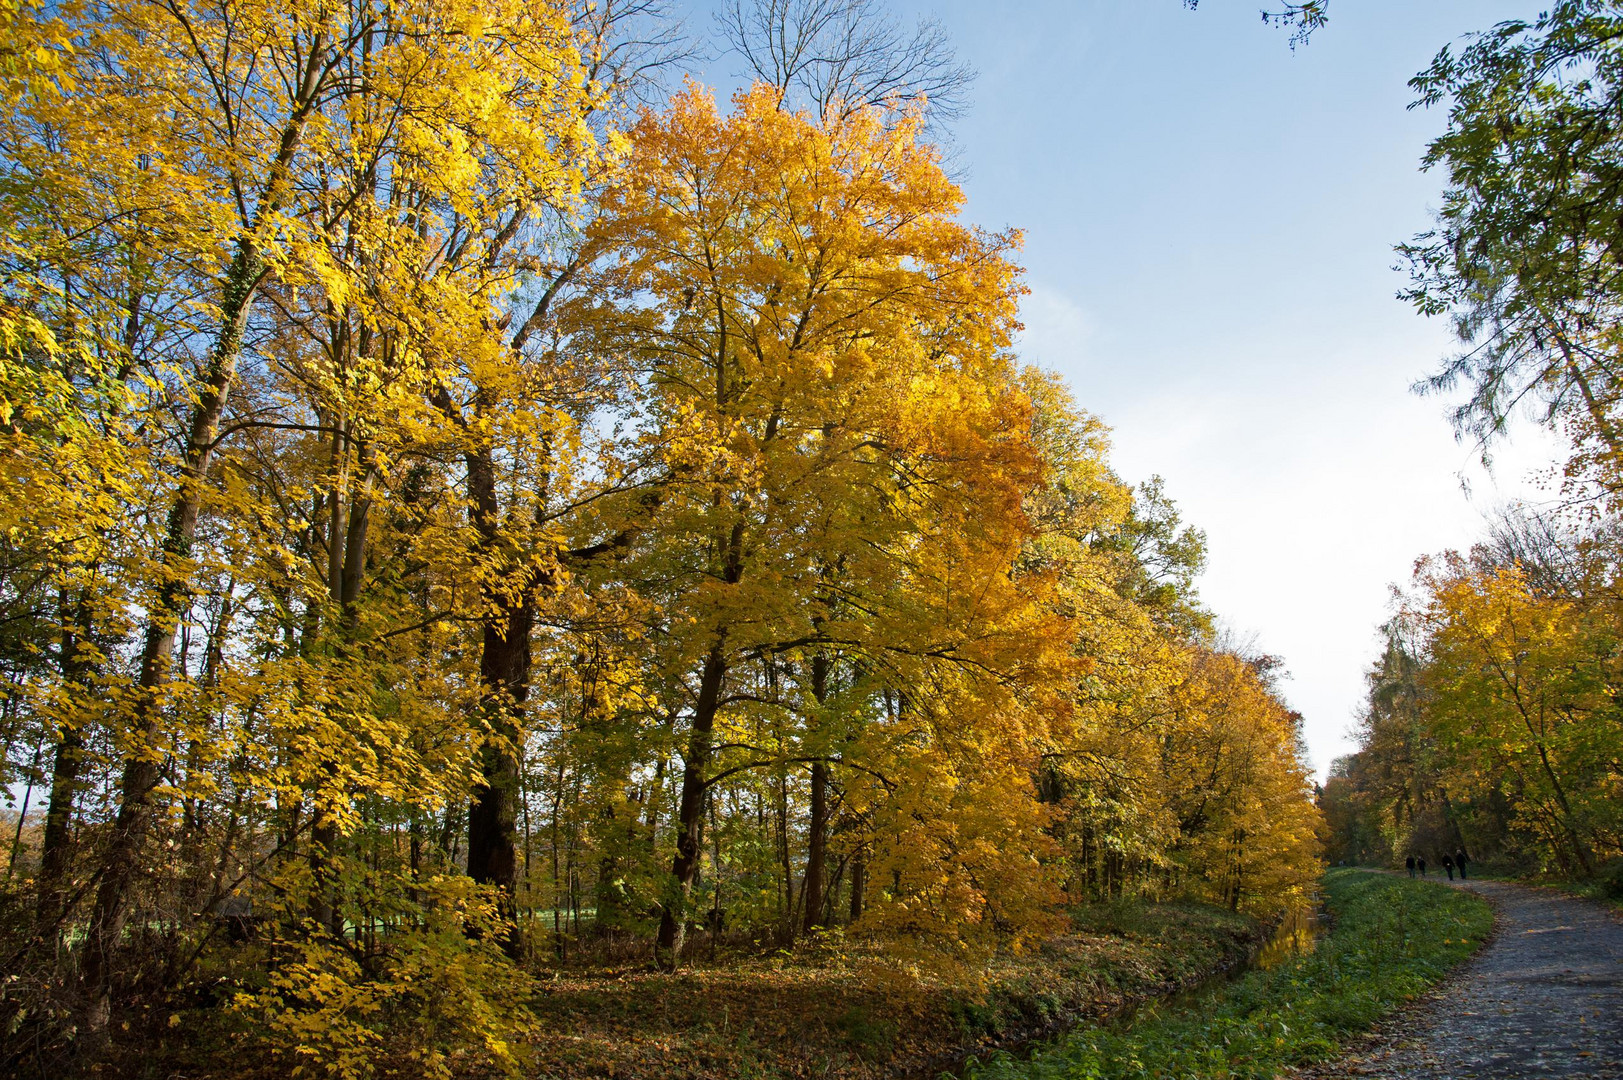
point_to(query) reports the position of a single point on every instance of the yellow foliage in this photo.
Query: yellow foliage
(392, 453)
(1520, 696)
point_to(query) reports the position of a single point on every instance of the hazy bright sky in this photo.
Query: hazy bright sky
(1209, 224)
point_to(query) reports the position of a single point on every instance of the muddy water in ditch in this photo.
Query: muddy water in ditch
(1296, 935)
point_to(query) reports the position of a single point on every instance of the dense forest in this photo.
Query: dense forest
(473, 500)
(1492, 724)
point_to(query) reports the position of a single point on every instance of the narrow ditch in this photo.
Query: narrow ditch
(1297, 933)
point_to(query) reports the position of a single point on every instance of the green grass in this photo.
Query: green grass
(1391, 939)
(1606, 885)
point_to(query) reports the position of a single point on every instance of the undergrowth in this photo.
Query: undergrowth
(1392, 938)
(1606, 885)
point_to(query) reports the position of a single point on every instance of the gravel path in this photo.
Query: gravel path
(1544, 999)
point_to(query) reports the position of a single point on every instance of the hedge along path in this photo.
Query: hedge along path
(1544, 999)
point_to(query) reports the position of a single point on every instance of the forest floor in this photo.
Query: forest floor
(1544, 999)
(829, 1011)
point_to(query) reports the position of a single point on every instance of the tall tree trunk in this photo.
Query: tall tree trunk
(143, 761)
(817, 846)
(142, 765)
(56, 844)
(22, 816)
(324, 907)
(347, 536)
(657, 792)
(504, 673)
(690, 810)
(1580, 849)
(817, 831)
(504, 665)
(504, 677)
(786, 898)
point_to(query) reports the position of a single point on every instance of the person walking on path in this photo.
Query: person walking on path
(1448, 866)
(1409, 862)
(1420, 864)
(1459, 861)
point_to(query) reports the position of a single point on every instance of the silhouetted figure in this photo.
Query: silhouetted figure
(1448, 866)
(1459, 861)
(1409, 862)
(1420, 864)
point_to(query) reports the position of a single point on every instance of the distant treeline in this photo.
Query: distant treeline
(1492, 723)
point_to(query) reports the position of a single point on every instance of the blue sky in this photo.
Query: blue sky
(1209, 223)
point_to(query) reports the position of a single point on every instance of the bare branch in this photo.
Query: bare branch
(846, 55)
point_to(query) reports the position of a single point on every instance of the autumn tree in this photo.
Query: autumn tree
(818, 348)
(1172, 763)
(1522, 260)
(1489, 719)
(1520, 696)
(299, 181)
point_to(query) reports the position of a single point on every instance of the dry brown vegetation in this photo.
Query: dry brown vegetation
(821, 1011)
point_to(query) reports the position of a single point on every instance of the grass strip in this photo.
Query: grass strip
(1391, 939)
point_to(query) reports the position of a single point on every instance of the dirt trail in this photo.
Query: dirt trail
(1544, 999)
